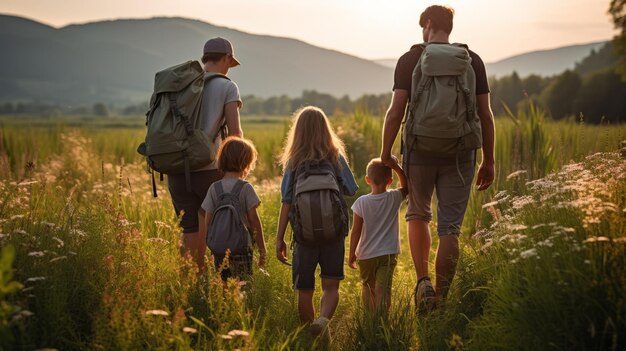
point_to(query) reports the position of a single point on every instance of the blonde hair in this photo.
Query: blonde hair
(311, 137)
(236, 155)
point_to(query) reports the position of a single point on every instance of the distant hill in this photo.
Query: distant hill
(115, 61)
(543, 62)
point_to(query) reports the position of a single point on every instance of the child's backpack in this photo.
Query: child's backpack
(174, 142)
(227, 231)
(319, 213)
(441, 118)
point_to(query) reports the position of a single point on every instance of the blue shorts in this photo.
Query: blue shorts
(305, 261)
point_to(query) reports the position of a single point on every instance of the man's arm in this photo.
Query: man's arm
(393, 121)
(486, 172)
(401, 176)
(231, 115)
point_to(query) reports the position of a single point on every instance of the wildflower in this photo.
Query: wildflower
(587, 262)
(48, 224)
(28, 183)
(157, 313)
(522, 201)
(528, 253)
(621, 240)
(226, 337)
(190, 330)
(14, 217)
(36, 254)
(58, 259)
(596, 239)
(237, 332)
(486, 245)
(34, 279)
(20, 231)
(60, 242)
(517, 227)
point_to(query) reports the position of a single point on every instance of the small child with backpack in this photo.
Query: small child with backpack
(316, 176)
(231, 212)
(375, 242)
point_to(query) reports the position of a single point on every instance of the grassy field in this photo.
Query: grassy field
(90, 259)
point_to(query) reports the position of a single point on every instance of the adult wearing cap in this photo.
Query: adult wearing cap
(220, 106)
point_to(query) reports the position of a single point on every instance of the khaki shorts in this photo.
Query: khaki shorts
(452, 186)
(378, 271)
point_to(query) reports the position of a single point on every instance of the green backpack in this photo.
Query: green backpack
(441, 119)
(175, 143)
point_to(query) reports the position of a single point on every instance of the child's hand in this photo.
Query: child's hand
(352, 261)
(262, 259)
(281, 250)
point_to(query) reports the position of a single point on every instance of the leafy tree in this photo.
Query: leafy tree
(99, 109)
(560, 94)
(617, 9)
(597, 60)
(602, 96)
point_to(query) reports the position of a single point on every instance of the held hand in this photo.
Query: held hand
(352, 261)
(485, 176)
(281, 250)
(386, 158)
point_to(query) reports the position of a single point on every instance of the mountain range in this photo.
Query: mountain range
(114, 61)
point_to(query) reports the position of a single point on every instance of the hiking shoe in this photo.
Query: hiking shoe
(319, 326)
(425, 296)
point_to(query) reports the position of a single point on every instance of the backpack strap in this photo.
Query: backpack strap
(176, 112)
(219, 189)
(238, 187)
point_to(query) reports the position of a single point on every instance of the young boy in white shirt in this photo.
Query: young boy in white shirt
(375, 237)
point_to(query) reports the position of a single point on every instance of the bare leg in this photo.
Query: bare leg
(445, 266)
(330, 297)
(305, 306)
(194, 243)
(419, 243)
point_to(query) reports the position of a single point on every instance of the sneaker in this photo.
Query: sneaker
(425, 296)
(319, 326)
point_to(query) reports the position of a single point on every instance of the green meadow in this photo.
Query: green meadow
(90, 260)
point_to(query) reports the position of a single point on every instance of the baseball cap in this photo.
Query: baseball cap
(220, 46)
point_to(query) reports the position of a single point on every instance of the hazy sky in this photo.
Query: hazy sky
(366, 28)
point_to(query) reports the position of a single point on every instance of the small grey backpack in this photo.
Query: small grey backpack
(442, 118)
(227, 231)
(319, 213)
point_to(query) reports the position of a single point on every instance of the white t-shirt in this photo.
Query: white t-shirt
(381, 231)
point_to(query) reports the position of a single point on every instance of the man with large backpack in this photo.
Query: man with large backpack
(443, 89)
(192, 109)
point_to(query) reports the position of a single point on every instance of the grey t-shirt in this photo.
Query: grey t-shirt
(217, 93)
(248, 197)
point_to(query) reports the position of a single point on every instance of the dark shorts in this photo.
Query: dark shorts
(190, 202)
(238, 266)
(452, 186)
(306, 259)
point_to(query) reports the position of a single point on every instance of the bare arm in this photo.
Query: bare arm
(208, 217)
(486, 172)
(281, 246)
(393, 121)
(355, 236)
(257, 230)
(401, 176)
(231, 115)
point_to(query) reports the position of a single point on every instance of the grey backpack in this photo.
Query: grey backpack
(441, 119)
(227, 231)
(319, 213)
(174, 142)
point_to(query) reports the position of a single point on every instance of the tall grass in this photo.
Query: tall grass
(541, 265)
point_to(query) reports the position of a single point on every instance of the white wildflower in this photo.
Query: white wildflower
(34, 279)
(528, 253)
(190, 330)
(237, 332)
(490, 204)
(157, 313)
(58, 259)
(60, 242)
(520, 202)
(36, 254)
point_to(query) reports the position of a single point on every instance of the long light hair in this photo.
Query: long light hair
(311, 137)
